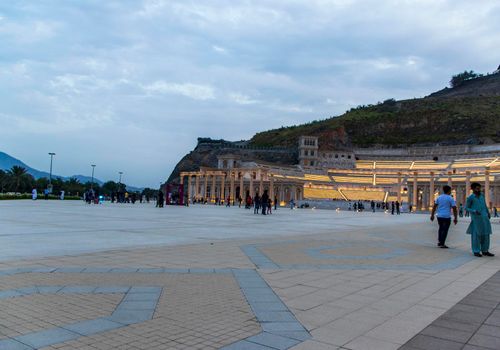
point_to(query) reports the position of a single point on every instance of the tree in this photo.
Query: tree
(73, 186)
(18, 175)
(459, 78)
(109, 187)
(3, 180)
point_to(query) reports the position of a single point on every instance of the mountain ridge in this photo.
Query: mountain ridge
(7, 162)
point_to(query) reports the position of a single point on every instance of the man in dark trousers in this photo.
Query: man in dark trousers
(398, 210)
(160, 199)
(256, 203)
(443, 205)
(264, 202)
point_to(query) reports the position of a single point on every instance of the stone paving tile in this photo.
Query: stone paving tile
(472, 323)
(32, 313)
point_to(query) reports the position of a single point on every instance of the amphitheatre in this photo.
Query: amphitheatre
(408, 159)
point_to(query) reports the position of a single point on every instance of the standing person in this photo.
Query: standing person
(263, 202)
(62, 195)
(160, 199)
(275, 202)
(461, 210)
(393, 207)
(292, 204)
(228, 202)
(269, 206)
(34, 194)
(372, 205)
(495, 212)
(398, 210)
(256, 203)
(46, 193)
(480, 226)
(239, 201)
(443, 205)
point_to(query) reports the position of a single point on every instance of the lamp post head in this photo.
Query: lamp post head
(52, 153)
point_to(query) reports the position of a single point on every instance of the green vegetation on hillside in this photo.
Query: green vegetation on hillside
(417, 121)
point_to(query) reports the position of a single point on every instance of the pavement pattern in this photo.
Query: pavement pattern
(222, 278)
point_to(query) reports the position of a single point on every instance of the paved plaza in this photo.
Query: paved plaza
(114, 276)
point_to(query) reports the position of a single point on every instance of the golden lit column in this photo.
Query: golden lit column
(251, 185)
(415, 191)
(467, 184)
(450, 182)
(271, 187)
(222, 187)
(212, 189)
(487, 196)
(431, 191)
(205, 186)
(242, 190)
(399, 188)
(231, 190)
(189, 188)
(261, 183)
(196, 186)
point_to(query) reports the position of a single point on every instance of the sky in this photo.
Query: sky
(129, 85)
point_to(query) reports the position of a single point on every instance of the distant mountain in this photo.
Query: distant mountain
(7, 162)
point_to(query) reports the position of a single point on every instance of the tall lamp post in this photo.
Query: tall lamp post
(51, 154)
(120, 180)
(92, 182)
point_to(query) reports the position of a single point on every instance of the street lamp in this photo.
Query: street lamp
(51, 154)
(120, 180)
(92, 183)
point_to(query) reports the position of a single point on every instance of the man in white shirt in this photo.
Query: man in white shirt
(443, 205)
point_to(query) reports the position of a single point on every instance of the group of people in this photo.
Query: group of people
(46, 192)
(262, 204)
(479, 228)
(394, 206)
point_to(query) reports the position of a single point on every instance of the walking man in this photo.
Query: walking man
(443, 205)
(264, 202)
(480, 226)
(398, 211)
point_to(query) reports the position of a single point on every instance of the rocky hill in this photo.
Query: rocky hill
(469, 113)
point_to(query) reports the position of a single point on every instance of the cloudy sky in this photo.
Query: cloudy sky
(130, 85)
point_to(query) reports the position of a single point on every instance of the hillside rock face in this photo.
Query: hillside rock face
(483, 86)
(206, 152)
(467, 114)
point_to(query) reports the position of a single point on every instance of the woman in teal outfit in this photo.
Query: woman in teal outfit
(480, 226)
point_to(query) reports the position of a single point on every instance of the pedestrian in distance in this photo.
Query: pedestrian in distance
(372, 205)
(480, 226)
(393, 207)
(443, 205)
(398, 210)
(256, 203)
(160, 199)
(461, 211)
(34, 194)
(263, 202)
(275, 202)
